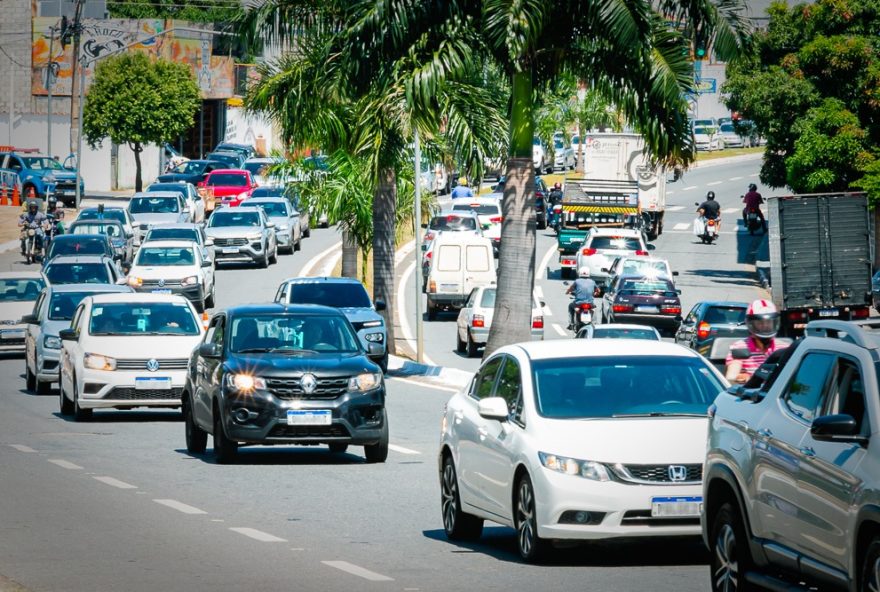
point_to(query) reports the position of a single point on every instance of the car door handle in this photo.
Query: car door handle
(765, 433)
(807, 451)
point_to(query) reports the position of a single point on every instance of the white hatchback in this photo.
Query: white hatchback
(603, 245)
(488, 210)
(126, 350)
(578, 440)
(475, 320)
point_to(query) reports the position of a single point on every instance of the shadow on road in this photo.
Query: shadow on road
(285, 456)
(110, 416)
(739, 277)
(500, 543)
(751, 248)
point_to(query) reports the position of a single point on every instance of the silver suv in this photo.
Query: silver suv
(792, 474)
(242, 234)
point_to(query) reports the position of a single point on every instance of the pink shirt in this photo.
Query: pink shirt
(756, 356)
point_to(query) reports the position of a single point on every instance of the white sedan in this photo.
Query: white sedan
(174, 267)
(475, 320)
(578, 440)
(126, 350)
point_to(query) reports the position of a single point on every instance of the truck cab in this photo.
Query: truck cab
(41, 176)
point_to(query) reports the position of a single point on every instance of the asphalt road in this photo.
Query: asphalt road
(118, 504)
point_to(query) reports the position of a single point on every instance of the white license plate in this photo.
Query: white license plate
(676, 507)
(308, 417)
(70, 192)
(449, 287)
(17, 334)
(831, 312)
(152, 382)
(586, 316)
(229, 250)
(165, 291)
(651, 309)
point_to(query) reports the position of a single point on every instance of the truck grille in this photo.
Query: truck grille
(141, 364)
(131, 394)
(291, 388)
(16, 341)
(230, 242)
(330, 431)
(658, 473)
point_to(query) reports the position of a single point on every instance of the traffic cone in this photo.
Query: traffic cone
(3, 200)
(16, 199)
(206, 320)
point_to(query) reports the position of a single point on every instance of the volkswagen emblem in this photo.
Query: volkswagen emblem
(152, 364)
(309, 383)
(161, 283)
(677, 472)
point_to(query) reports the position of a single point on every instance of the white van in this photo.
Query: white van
(461, 262)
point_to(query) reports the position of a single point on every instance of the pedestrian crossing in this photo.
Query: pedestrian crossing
(674, 208)
(681, 226)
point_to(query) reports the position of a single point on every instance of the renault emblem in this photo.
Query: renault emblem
(152, 364)
(309, 383)
(161, 283)
(677, 472)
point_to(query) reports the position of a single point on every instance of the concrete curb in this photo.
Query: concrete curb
(430, 375)
(727, 160)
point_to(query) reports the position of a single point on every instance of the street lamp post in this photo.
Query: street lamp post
(420, 350)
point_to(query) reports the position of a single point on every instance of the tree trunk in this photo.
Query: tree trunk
(384, 220)
(138, 182)
(512, 320)
(349, 255)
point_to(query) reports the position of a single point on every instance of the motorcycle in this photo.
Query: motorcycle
(555, 217)
(753, 221)
(33, 250)
(706, 229)
(583, 315)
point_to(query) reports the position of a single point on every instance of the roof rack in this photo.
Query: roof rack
(856, 332)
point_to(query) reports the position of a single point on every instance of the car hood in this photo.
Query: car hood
(359, 315)
(164, 272)
(232, 231)
(59, 175)
(286, 366)
(673, 440)
(54, 327)
(143, 346)
(13, 311)
(157, 218)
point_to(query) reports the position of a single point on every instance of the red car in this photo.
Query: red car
(231, 186)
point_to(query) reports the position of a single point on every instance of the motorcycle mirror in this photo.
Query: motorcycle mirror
(696, 203)
(564, 283)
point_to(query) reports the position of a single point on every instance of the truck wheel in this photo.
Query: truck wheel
(432, 311)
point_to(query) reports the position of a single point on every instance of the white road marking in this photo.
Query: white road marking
(403, 318)
(179, 506)
(560, 330)
(714, 183)
(402, 450)
(258, 535)
(115, 482)
(356, 570)
(681, 226)
(424, 384)
(297, 549)
(217, 520)
(689, 188)
(22, 448)
(674, 208)
(539, 292)
(64, 464)
(729, 210)
(307, 268)
(669, 192)
(753, 175)
(545, 261)
(733, 179)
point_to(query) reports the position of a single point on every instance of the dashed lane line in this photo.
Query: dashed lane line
(402, 450)
(179, 506)
(729, 210)
(734, 178)
(753, 175)
(22, 448)
(65, 464)
(689, 188)
(115, 482)
(560, 330)
(669, 192)
(674, 208)
(258, 535)
(714, 183)
(681, 226)
(356, 570)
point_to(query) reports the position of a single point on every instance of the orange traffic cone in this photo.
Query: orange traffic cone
(206, 320)
(3, 200)
(16, 199)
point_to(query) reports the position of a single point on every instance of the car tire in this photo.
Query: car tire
(273, 258)
(432, 311)
(196, 437)
(542, 224)
(30, 379)
(225, 450)
(79, 414)
(459, 344)
(729, 550)
(531, 547)
(43, 388)
(308, 232)
(337, 447)
(472, 348)
(65, 405)
(210, 300)
(383, 363)
(378, 452)
(870, 578)
(458, 525)
(264, 262)
(297, 245)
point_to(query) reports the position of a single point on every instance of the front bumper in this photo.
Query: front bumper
(252, 251)
(455, 300)
(283, 238)
(107, 389)
(47, 364)
(12, 339)
(357, 418)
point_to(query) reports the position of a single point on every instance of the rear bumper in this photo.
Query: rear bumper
(657, 321)
(480, 335)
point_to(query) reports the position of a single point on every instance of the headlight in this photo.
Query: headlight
(364, 382)
(190, 281)
(377, 337)
(135, 282)
(245, 383)
(372, 324)
(51, 342)
(99, 362)
(254, 237)
(49, 179)
(571, 466)
(282, 227)
(243, 195)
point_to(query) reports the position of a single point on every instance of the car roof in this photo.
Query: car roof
(175, 226)
(93, 222)
(135, 297)
(175, 244)
(24, 275)
(75, 237)
(641, 276)
(578, 348)
(615, 232)
(267, 199)
(278, 308)
(155, 194)
(95, 209)
(630, 326)
(227, 171)
(322, 279)
(264, 159)
(459, 213)
(79, 259)
(730, 303)
(108, 288)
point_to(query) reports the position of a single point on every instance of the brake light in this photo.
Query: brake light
(622, 308)
(861, 313)
(586, 306)
(538, 323)
(642, 253)
(569, 261)
(432, 286)
(588, 251)
(676, 310)
(428, 254)
(797, 315)
(496, 219)
(711, 222)
(477, 321)
(703, 330)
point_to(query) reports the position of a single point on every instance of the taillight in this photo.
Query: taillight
(477, 321)
(676, 310)
(703, 330)
(432, 286)
(622, 308)
(797, 315)
(496, 219)
(642, 253)
(861, 313)
(429, 236)
(428, 254)
(538, 323)
(569, 261)
(711, 222)
(588, 251)
(586, 306)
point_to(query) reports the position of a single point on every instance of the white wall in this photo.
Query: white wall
(247, 129)
(709, 104)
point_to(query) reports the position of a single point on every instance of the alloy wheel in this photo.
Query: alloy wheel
(726, 568)
(449, 498)
(525, 518)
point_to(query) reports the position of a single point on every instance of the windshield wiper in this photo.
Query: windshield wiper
(659, 414)
(254, 350)
(292, 351)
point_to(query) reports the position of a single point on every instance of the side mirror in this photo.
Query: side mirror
(206, 263)
(380, 305)
(425, 225)
(835, 427)
(68, 335)
(678, 292)
(740, 353)
(270, 225)
(30, 319)
(493, 408)
(374, 349)
(209, 350)
(605, 270)
(209, 242)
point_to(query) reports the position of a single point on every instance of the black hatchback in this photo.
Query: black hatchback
(282, 374)
(712, 326)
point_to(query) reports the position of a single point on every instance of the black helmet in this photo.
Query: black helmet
(753, 187)
(710, 196)
(32, 205)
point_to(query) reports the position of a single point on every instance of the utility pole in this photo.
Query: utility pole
(75, 79)
(420, 348)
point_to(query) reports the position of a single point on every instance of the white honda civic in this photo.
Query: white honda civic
(578, 440)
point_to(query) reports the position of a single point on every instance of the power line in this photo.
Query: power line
(13, 60)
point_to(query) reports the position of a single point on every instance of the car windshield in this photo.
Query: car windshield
(702, 131)
(79, 245)
(267, 192)
(20, 289)
(109, 213)
(616, 243)
(336, 294)
(78, 273)
(727, 127)
(647, 287)
(257, 168)
(190, 168)
(624, 333)
(725, 315)
(621, 386)
(165, 256)
(154, 205)
(97, 228)
(189, 234)
(228, 180)
(292, 333)
(228, 218)
(481, 209)
(143, 318)
(558, 144)
(647, 267)
(273, 209)
(63, 304)
(231, 160)
(42, 163)
(453, 222)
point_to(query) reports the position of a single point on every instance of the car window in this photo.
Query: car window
(449, 258)
(63, 304)
(216, 332)
(154, 205)
(481, 209)
(143, 318)
(692, 315)
(453, 222)
(111, 230)
(300, 333)
(228, 180)
(488, 299)
(509, 383)
(485, 380)
(20, 289)
(80, 245)
(336, 294)
(165, 256)
(804, 392)
(77, 318)
(157, 234)
(601, 332)
(616, 243)
(477, 258)
(847, 394)
(78, 273)
(39, 304)
(273, 208)
(225, 219)
(725, 315)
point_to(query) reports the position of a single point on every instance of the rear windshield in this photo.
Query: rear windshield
(228, 180)
(272, 208)
(173, 234)
(481, 209)
(97, 228)
(267, 192)
(154, 205)
(488, 299)
(616, 243)
(727, 127)
(229, 218)
(641, 287)
(339, 295)
(162, 256)
(725, 315)
(643, 266)
(20, 290)
(78, 273)
(702, 130)
(449, 258)
(110, 213)
(453, 223)
(143, 318)
(257, 168)
(63, 304)
(85, 245)
(617, 333)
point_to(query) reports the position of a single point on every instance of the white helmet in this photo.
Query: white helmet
(762, 319)
(584, 272)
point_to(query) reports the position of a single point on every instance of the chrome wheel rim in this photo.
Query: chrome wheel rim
(449, 497)
(874, 576)
(525, 518)
(726, 574)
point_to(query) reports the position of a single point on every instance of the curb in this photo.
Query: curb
(431, 375)
(727, 160)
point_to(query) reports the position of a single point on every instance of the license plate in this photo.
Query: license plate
(152, 382)
(306, 417)
(70, 192)
(449, 287)
(676, 507)
(229, 250)
(651, 309)
(165, 291)
(586, 316)
(831, 312)
(15, 334)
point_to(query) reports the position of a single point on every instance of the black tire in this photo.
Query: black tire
(43, 388)
(30, 379)
(225, 450)
(337, 447)
(383, 363)
(297, 245)
(542, 224)
(459, 344)
(378, 452)
(79, 414)
(273, 259)
(729, 550)
(65, 405)
(458, 525)
(264, 262)
(473, 350)
(870, 574)
(432, 311)
(196, 437)
(531, 547)
(308, 232)
(209, 301)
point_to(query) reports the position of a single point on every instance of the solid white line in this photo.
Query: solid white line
(307, 268)
(681, 226)
(402, 450)
(258, 535)
(179, 506)
(403, 252)
(327, 269)
(669, 192)
(22, 448)
(753, 175)
(115, 482)
(402, 317)
(734, 178)
(729, 210)
(689, 188)
(674, 208)
(542, 269)
(424, 384)
(560, 330)
(714, 183)
(358, 571)
(539, 292)
(64, 464)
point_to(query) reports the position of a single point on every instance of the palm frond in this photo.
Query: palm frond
(513, 27)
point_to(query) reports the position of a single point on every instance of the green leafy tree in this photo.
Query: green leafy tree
(138, 101)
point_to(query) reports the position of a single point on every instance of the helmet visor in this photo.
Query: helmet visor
(764, 326)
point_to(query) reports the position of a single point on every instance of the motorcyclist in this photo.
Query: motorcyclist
(762, 321)
(462, 189)
(555, 195)
(55, 217)
(32, 218)
(710, 208)
(584, 290)
(753, 201)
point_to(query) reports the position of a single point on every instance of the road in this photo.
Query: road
(118, 504)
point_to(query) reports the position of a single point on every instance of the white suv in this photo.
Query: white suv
(174, 267)
(578, 440)
(603, 245)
